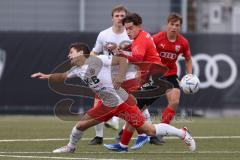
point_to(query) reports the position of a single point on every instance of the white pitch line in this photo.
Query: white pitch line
(177, 152)
(168, 152)
(159, 152)
(33, 140)
(87, 139)
(45, 157)
(25, 152)
(216, 137)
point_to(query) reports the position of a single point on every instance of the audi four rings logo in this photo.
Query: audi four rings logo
(211, 70)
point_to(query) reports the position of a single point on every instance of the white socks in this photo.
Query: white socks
(163, 129)
(99, 129)
(75, 136)
(115, 121)
(123, 145)
(146, 114)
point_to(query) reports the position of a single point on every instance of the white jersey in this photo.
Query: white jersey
(108, 36)
(98, 73)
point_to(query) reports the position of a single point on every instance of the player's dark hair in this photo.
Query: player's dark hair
(174, 17)
(81, 46)
(119, 8)
(133, 17)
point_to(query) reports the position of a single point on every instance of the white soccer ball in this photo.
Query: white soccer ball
(190, 84)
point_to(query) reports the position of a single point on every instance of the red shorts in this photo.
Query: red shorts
(131, 86)
(127, 111)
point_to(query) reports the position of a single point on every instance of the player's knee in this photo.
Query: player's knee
(151, 131)
(81, 126)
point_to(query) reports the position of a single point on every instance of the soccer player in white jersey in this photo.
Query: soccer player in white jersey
(114, 100)
(107, 40)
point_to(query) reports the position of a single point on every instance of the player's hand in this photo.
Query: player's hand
(111, 46)
(117, 82)
(40, 75)
(122, 53)
(126, 46)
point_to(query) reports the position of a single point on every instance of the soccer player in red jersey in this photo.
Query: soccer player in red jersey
(143, 49)
(170, 44)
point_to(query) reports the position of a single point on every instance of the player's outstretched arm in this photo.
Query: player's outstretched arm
(40, 75)
(57, 77)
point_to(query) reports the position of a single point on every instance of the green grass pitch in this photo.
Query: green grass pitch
(34, 137)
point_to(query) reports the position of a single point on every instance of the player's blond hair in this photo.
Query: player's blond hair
(119, 8)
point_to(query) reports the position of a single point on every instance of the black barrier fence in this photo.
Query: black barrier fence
(215, 61)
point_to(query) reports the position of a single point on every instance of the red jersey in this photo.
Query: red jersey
(169, 51)
(143, 49)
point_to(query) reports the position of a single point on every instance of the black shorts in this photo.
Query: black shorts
(173, 80)
(142, 103)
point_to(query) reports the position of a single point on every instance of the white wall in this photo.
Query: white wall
(65, 15)
(227, 20)
(236, 18)
(38, 15)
